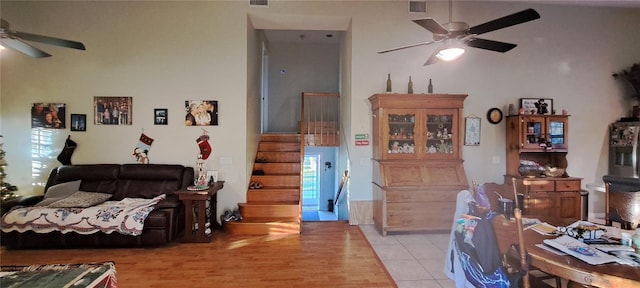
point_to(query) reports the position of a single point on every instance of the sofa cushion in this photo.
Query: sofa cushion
(59, 191)
(100, 178)
(148, 180)
(81, 199)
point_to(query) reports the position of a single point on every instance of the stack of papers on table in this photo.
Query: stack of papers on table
(612, 247)
(544, 228)
(582, 251)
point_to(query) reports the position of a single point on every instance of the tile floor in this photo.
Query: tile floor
(413, 260)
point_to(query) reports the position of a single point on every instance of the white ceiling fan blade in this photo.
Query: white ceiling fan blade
(24, 47)
(432, 59)
(405, 47)
(50, 40)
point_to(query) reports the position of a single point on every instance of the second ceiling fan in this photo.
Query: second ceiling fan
(17, 40)
(456, 35)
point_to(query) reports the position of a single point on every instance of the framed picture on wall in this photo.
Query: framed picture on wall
(160, 116)
(48, 115)
(78, 122)
(472, 131)
(112, 110)
(540, 106)
(201, 112)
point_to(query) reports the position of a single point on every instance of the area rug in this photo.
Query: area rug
(94, 275)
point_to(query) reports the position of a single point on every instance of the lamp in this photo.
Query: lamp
(451, 50)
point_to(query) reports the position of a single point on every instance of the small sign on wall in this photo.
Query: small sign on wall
(362, 139)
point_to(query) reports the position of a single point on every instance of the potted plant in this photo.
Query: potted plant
(631, 75)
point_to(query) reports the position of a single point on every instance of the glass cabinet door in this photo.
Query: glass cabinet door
(401, 131)
(557, 134)
(534, 130)
(441, 133)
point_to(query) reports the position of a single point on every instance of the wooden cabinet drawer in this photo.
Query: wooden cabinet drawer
(419, 214)
(568, 185)
(419, 196)
(542, 186)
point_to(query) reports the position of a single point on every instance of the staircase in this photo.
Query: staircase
(274, 208)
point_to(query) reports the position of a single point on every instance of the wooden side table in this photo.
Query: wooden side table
(197, 201)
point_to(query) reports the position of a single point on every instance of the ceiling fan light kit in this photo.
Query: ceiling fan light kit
(452, 50)
(450, 53)
(456, 35)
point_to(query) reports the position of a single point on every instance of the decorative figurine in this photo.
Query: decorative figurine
(542, 107)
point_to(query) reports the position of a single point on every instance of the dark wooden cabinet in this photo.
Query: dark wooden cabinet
(417, 163)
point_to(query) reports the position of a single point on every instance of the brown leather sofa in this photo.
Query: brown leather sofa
(163, 225)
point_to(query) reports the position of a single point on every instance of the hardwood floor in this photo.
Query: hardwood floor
(326, 254)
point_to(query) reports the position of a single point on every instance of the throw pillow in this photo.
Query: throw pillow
(59, 191)
(81, 199)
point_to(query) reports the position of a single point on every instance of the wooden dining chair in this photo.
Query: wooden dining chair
(506, 232)
(622, 201)
(515, 259)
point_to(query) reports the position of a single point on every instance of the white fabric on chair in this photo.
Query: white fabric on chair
(452, 267)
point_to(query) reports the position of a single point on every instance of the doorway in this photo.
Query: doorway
(294, 61)
(319, 184)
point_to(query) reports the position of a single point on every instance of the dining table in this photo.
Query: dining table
(568, 267)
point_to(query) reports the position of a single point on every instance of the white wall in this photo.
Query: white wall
(294, 68)
(162, 53)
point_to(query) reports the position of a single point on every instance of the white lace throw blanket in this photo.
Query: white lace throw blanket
(125, 217)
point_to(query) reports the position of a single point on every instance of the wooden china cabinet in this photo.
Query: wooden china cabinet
(417, 160)
(543, 139)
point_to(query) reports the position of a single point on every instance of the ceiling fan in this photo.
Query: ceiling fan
(16, 40)
(456, 35)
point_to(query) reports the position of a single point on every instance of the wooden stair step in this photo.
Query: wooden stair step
(263, 226)
(275, 209)
(276, 194)
(280, 138)
(277, 181)
(278, 157)
(279, 146)
(278, 168)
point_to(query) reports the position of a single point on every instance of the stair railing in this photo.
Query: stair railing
(320, 118)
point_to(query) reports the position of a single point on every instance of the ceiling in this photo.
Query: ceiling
(321, 36)
(600, 3)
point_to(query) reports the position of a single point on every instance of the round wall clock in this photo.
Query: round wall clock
(494, 115)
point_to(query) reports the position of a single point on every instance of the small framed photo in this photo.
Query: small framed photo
(472, 131)
(160, 116)
(539, 106)
(78, 122)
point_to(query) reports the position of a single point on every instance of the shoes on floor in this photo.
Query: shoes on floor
(227, 216)
(261, 160)
(236, 215)
(255, 185)
(258, 172)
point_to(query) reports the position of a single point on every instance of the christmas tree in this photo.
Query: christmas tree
(6, 189)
